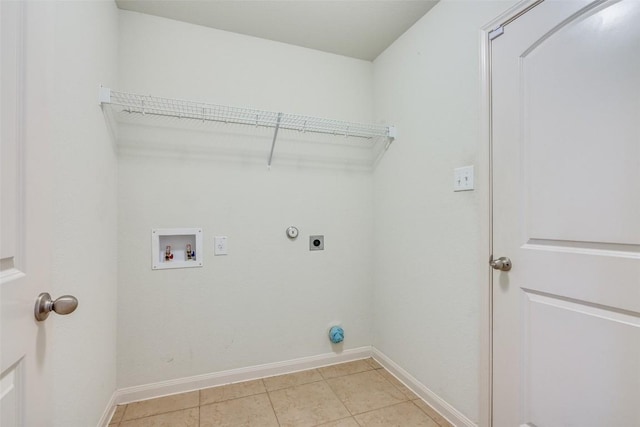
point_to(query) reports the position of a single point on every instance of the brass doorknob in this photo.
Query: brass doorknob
(44, 305)
(503, 263)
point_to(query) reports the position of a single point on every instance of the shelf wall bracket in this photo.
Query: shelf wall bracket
(275, 136)
(392, 135)
(104, 95)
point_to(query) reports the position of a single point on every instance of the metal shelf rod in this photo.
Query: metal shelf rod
(275, 136)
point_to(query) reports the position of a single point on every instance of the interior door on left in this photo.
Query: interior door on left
(24, 245)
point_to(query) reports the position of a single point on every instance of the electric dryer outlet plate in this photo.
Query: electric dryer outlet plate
(316, 243)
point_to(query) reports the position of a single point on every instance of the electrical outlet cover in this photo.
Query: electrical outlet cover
(316, 243)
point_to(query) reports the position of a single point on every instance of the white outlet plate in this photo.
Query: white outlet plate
(463, 178)
(220, 245)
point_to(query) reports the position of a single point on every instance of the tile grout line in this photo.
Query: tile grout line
(232, 399)
(429, 416)
(338, 397)
(158, 414)
(273, 409)
(382, 407)
(126, 408)
(295, 385)
(413, 400)
(434, 420)
(385, 407)
(371, 368)
(271, 402)
(335, 421)
(226, 385)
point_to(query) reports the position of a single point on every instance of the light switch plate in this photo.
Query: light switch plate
(220, 245)
(463, 178)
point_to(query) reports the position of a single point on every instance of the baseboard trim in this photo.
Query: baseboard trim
(108, 412)
(454, 416)
(181, 385)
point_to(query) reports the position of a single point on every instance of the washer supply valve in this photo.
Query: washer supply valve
(191, 255)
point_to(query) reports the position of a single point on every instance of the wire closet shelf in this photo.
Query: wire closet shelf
(153, 105)
(206, 112)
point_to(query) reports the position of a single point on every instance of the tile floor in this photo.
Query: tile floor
(353, 394)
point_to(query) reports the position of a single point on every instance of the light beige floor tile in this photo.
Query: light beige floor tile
(365, 391)
(183, 418)
(348, 368)
(374, 364)
(117, 415)
(432, 413)
(397, 384)
(307, 405)
(290, 380)
(231, 391)
(247, 411)
(345, 422)
(161, 405)
(401, 415)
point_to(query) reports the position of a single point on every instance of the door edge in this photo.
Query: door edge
(485, 176)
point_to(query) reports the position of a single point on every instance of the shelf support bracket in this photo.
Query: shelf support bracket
(275, 136)
(392, 133)
(104, 95)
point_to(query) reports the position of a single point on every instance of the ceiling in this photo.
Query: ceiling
(360, 29)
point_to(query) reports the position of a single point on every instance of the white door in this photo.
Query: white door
(25, 246)
(566, 211)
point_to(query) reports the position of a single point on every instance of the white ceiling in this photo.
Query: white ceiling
(359, 29)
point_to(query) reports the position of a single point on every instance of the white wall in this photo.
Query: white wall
(78, 52)
(270, 299)
(427, 245)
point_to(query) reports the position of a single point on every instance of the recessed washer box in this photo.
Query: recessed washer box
(176, 248)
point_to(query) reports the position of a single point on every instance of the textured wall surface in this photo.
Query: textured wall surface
(270, 299)
(427, 293)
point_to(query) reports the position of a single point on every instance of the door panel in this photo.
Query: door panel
(11, 392)
(575, 359)
(12, 277)
(582, 127)
(566, 210)
(24, 214)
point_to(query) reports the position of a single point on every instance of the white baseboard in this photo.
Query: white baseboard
(108, 412)
(454, 416)
(181, 385)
